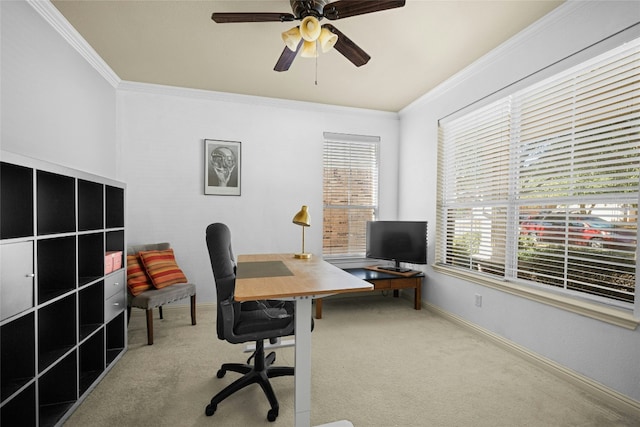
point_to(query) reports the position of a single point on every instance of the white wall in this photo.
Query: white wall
(161, 132)
(603, 352)
(55, 105)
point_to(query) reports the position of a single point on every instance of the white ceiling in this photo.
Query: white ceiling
(413, 48)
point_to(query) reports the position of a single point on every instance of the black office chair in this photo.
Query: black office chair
(243, 322)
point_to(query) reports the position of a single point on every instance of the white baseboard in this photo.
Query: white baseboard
(617, 400)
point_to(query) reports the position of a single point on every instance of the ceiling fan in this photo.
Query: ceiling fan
(309, 35)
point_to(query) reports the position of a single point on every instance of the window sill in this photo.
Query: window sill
(614, 316)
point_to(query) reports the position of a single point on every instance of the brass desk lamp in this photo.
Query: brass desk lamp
(302, 219)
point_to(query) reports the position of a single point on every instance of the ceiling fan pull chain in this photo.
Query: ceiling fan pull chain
(317, 46)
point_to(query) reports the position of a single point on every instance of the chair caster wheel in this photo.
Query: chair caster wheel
(221, 373)
(272, 415)
(210, 410)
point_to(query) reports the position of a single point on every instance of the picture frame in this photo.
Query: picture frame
(222, 167)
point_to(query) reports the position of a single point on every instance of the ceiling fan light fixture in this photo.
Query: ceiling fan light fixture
(310, 13)
(309, 50)
(327, 40)
(292, 38)
(310, 28)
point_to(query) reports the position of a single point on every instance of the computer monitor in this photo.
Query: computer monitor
(397, 241)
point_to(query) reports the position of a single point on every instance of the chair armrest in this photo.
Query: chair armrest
(228, 318)
(267, 328)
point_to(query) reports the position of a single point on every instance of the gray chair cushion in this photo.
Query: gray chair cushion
(154, 298)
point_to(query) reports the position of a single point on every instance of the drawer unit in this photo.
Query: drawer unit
(114, 305)
(409, 282)
(380, 284)
(113, 283)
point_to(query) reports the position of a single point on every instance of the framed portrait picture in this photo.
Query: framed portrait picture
(222, 165)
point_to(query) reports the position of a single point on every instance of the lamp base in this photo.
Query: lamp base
(302, 256)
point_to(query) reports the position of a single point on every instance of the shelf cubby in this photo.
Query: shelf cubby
(58, 390)
(17, 362)
(114, 197)
(90, 257)
(16, 192)
(56, 330)
(90, 309)
(115, 240)
(56, 203)
(90, 205)
(92, 360)
(20, 411)
(56, 267)
(115, 337)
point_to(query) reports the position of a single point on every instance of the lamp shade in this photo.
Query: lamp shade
(292, 38)
(310, 28)
(309, 49)
(327, 40)
(302, 217)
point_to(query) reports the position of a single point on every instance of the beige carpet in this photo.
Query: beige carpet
(375, 362)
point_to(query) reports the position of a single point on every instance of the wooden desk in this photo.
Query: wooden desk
(262, 277)
(382, 280)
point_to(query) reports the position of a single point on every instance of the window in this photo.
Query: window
(542, 186)
(350, 192)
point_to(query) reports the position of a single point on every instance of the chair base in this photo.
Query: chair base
(258, 373)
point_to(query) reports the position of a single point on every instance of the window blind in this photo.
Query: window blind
(350, 192)
(542, 186)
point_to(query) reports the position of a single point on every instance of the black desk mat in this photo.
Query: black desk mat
(254, 269)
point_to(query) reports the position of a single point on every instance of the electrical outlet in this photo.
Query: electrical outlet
(478, 300)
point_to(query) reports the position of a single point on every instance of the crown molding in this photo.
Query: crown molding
(565, 13)
(54, 18)
(156, 89)
(505, 49)
(59, 23)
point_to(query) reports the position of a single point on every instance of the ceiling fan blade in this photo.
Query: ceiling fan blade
(224, 18)
(286, 58)
(348, 48)
(346, 8)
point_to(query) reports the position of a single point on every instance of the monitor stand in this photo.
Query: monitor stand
(395, 269)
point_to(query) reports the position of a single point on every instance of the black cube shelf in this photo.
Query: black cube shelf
(55, 349)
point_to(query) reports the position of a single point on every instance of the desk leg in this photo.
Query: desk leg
(302, 402)
(319, 308)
